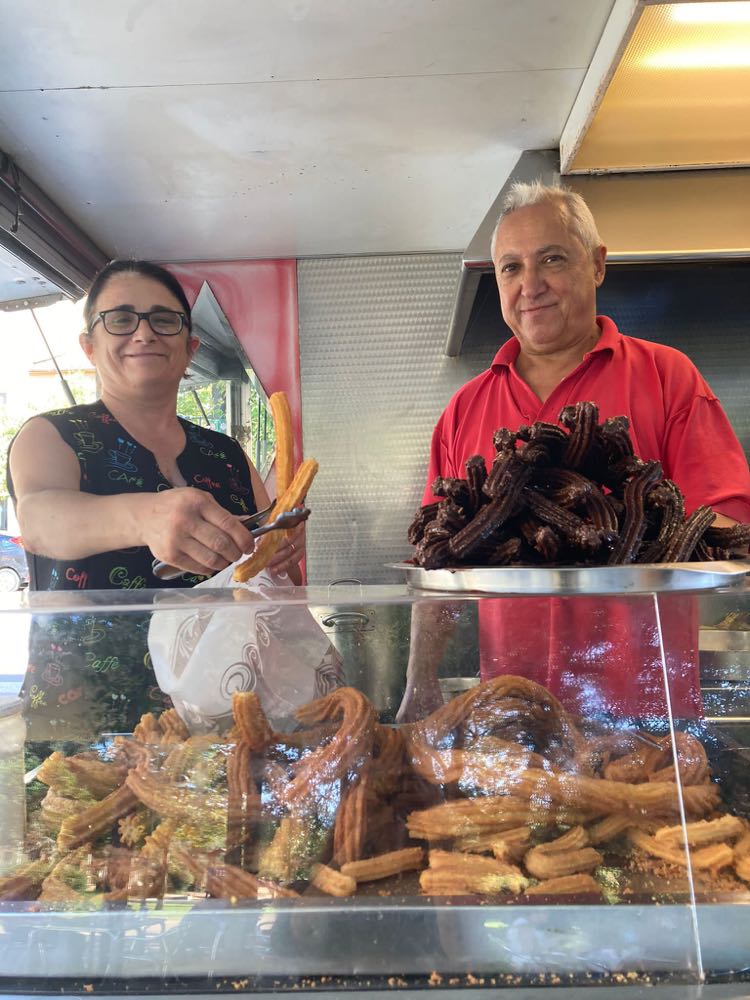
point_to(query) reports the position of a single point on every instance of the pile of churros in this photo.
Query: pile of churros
(499, 794)
(291, 488)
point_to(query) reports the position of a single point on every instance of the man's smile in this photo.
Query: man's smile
(535, 309)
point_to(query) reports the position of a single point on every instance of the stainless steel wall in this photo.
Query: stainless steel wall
(374, 382)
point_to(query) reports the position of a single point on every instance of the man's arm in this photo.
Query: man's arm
(184, 527)
(703, 456)
(432, 626)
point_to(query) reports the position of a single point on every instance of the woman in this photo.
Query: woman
(102, 489)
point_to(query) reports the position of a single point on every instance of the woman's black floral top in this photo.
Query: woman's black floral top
(89, 672)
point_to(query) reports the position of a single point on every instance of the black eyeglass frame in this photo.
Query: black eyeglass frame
(140, 316)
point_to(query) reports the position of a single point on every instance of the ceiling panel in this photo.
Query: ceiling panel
(291, 169)
(135, 43)
(186, 130)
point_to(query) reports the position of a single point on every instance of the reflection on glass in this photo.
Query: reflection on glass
(537, 826)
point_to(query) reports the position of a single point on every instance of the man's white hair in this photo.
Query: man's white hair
(573, 209)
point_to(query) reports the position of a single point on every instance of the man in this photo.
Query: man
(597, 655)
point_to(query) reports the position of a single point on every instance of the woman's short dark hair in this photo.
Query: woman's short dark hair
(143, 267)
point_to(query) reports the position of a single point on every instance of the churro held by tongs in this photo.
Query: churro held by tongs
(290, 491)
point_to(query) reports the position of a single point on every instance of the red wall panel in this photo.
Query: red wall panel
(259, 298)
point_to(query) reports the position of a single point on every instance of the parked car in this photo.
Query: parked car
(14, 572)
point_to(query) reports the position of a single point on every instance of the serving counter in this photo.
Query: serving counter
(161, 834)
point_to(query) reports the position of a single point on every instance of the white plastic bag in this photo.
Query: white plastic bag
(202, 656)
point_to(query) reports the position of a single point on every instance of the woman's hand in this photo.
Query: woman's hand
(290, 554)
(188, 529)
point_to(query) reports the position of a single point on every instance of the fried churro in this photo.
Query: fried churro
(271, 542)
(332, 882)
(574, 885)
(598, 503)
(282, 422)
(551, 861)
(384, 865)
(98, 818)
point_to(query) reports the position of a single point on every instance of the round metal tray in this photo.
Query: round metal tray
(578, 580)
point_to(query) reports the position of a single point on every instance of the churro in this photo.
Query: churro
(546, 866)
(566, 495)
(282, 422)
(384, 865)
(98, 818)
(351, 743)
(702, 832)
(331, 882)
(501, 785)
(270, 543)
(230, 882)
(349, 829)
(566, 885)
(252, 725)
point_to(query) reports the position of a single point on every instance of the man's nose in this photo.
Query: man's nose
(533, 282)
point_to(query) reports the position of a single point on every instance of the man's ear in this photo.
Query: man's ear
(600, 266)
(193, 344)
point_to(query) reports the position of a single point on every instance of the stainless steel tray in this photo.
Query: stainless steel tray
(578, 580)
(722, 640)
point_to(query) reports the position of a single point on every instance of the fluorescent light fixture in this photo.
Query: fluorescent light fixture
(712, 13)
(703, 57)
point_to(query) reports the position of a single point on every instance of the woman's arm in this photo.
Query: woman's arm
(184, 527)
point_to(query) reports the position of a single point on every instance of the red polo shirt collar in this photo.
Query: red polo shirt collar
(607, 341)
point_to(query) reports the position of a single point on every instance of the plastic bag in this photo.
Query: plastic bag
(202, 656)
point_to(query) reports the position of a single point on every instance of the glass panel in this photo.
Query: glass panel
(184, 850)
(222, 390)
(724, 656)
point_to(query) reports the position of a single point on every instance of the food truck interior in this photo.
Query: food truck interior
(323, 177)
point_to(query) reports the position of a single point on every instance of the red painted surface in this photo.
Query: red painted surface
(259, 298)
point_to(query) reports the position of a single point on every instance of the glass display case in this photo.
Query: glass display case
(355, 787)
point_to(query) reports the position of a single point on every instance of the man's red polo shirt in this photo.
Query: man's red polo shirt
(603, 654)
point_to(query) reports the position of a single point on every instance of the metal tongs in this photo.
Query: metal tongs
(283, 521)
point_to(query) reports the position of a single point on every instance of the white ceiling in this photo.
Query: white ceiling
(187, 129)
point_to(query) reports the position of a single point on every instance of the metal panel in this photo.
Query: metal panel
(35, 231)
(688, 214)
(22, 286)
(374, 382)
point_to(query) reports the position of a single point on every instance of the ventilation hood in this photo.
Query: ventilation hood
(657, 216)
(656, 142)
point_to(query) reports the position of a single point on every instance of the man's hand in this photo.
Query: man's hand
(187, 528)
(421, 697)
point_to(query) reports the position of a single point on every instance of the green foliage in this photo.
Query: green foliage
(204, 405)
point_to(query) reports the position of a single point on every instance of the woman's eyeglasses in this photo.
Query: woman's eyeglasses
(123, 322)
